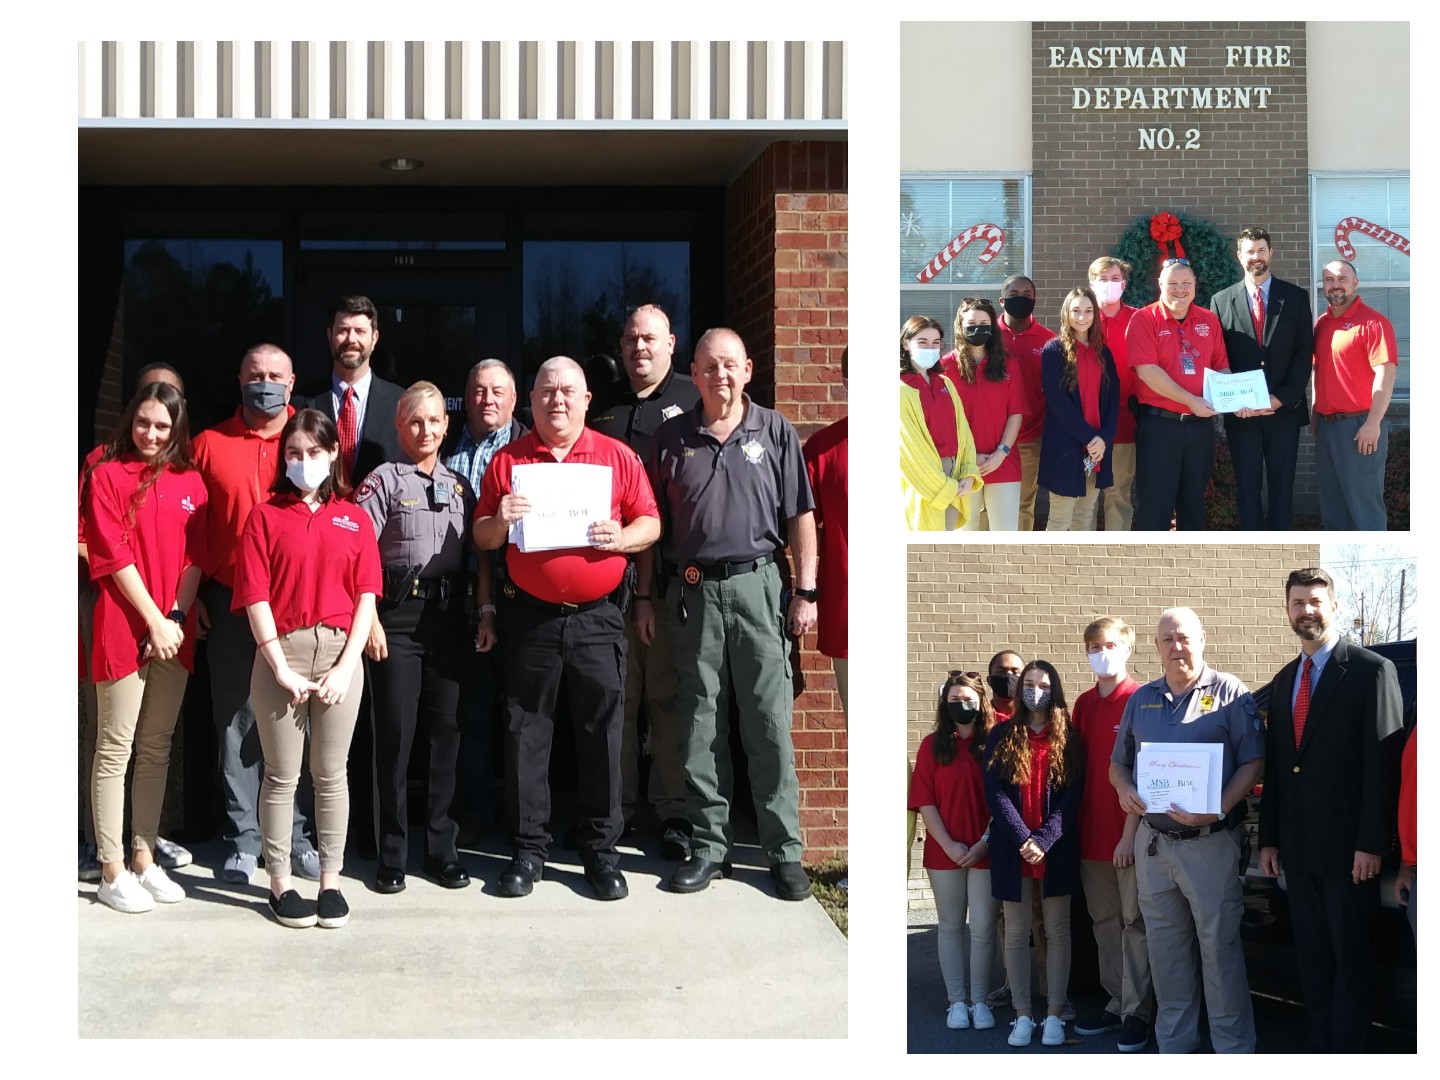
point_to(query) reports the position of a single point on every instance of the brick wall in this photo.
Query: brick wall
(967, 603)
(786, 269)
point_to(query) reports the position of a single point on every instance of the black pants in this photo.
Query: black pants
(1332, 917)
(583, 656)
(1267, 452)
(419, 680)
(1173, 459)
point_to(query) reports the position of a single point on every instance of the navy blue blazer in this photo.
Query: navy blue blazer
(1058, 835)
(1062, 451)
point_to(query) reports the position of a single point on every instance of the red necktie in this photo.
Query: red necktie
(1302, 701)
(349, 429)
(1258, 315)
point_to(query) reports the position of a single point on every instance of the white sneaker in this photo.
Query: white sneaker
(1022, 1028)
(1054, 1034)
(171, 855)
(959, 1017)
(158, 884)
(125, 894)
(981, 1016)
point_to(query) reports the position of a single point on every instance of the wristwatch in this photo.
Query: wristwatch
(1003, 448)
(487, 609)
(807, 594)
(176, 616)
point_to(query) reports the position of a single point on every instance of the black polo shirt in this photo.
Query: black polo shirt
(635, 420)
(730, 501)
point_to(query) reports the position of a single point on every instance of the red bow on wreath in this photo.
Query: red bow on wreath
(1165, 227)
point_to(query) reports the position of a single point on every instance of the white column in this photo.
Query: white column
(585, 65)
(624, 84)
(777, 90)
(89, 98)
(547, 69)
(509, 80)
(662, 79)
(242, 86)
(317, 80)
(814, 80)
(356, 64)
(281, 107)
(472, 80)
(392, 95)
(127, 79)
(435, 85)
(166, 89)
(739, 84)
(207, 74)
(700, 89)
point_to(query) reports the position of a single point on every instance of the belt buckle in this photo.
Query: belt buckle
(692, 574)
(569, 609)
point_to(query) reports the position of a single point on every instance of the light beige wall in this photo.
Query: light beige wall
(1358, 79)
(946, 102)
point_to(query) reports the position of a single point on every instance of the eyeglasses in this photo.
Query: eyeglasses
(966, 674)
(1174, 262)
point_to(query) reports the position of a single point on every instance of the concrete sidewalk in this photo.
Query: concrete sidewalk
(730, 962)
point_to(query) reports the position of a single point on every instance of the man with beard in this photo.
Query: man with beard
(1355, 365)
(1268, 327)
(1328, 809)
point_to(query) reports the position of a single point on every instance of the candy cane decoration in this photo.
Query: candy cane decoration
(1369, 228)
(983, 231)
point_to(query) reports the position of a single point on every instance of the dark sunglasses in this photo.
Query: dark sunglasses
(1174, 262)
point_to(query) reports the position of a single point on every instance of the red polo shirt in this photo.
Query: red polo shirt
(1097, 719)
(310, 567)
(939, 410)
(91, 460)
(827, 459)
(1022, 350)
(1114, 330)
(988, 407)
(574, 575)
(1348, 349)
(166, 537)
(957, 791)
(239, 466)
(1154, 337)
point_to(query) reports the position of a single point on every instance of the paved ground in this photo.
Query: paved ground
(732, 961)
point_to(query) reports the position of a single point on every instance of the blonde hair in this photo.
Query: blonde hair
(413, 395)
(1105, 262)
(1109, 624)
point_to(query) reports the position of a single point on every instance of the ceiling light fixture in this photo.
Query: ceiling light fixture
(401, 164)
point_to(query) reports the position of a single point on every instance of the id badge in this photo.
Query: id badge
(1187, 363)
(440, 494)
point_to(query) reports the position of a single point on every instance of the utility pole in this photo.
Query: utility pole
(1400, 613)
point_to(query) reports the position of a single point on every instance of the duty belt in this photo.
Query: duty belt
(693, 573)
(1168, 414)
(519, 595)
(1190, 834)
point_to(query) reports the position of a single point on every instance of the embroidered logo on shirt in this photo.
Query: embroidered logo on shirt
(1162, 333)
(753, 451)
(187, 505)
(1348, 326)
(670, 412)
(1203, 330)
(345, 523)
(1207, 703)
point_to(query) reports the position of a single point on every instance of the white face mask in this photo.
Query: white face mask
(924, 359)
(308, 473)
(1108, 662)
(1107, 292)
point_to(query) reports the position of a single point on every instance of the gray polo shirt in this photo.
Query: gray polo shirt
(419, 520)
(1217, 709)
(730, 501)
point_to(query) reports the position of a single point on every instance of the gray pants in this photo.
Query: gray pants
(230, 648)
(1190, 891)
(1351, 485)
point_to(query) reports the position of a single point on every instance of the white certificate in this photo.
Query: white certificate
(1231, 393)
(1186, 774)
(565, 500)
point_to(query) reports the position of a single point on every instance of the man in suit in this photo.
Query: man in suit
(363, 406)
(1268, 327)
(1328, 809)
(360, 402)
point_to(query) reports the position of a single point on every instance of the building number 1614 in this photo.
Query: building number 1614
(1164, 139)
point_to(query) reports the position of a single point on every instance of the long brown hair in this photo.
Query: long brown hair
(175, 454)
(994, 352)
(945, 732)
(1070, 377)
(913, 326)
(1011, 759)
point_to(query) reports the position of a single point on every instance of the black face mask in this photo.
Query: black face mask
(979, 334)
(1003, 685)
(1019, 307)
(961, 712)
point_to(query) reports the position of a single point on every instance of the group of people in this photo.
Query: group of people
(1021, 792)
(355, 571)
(1116, 400)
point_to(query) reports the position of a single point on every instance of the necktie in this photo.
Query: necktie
(1302, 700)
(1258, 315)
(349, 428)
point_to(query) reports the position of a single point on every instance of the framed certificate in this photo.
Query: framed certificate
(1185, 774)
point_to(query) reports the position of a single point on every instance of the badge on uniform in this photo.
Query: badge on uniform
(670, 412)
(692, 574)
(753, 451)
(1207, 703)
(509, 590)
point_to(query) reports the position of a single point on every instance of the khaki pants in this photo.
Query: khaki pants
(965, 912)
(1074, 514)
(139, 710)
(1114, 903)
(92, 710)
(310, 652)
(1001, 506)
(1029, 483)
(1017, 947)
(1119, 509)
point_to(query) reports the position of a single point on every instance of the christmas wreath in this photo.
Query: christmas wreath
(1162, 235)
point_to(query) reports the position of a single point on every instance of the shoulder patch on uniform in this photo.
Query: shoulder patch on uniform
(364, 491)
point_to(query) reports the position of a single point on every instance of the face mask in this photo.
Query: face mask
(265, 397)
(1107, 292)
(961, 712)
(924, 359)
(1035, 699)
(979, 334)
(1108, 662)
(309, 474)
(1019, 307)
(1003, 685)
